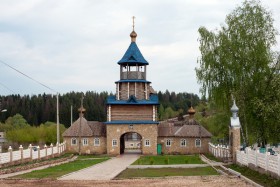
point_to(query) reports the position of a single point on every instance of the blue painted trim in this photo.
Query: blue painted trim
(153, 100)
(133, 80)
(130, 122)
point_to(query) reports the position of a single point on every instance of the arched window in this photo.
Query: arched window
(197, 143)
(183, 143)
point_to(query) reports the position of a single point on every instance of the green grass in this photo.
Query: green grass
(212, 157)
(164, 172)
(168, 159)
(259, 178)
(60, 170)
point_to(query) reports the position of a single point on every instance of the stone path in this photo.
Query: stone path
(103, 171)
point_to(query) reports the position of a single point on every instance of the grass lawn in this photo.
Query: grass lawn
(168, 159)
(60, 170)
(164, 172)
(212, 157)
(259, 178)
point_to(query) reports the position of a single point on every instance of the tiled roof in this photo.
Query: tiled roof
(188, 128)
(133, 56)
(88, 128)
(98, 128)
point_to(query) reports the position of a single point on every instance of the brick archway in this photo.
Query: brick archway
(131, 142)
(148, 133)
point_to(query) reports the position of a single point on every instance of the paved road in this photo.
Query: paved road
(103, 171)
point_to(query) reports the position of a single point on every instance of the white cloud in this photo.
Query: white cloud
(75, 45)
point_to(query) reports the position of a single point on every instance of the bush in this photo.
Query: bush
(151, 161)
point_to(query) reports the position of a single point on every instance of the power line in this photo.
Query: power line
(7, 88)
(27, 76)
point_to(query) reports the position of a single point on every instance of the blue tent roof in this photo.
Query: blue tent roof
(153, 100)
(133, 56)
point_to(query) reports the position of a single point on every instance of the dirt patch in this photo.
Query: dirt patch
(206, 181)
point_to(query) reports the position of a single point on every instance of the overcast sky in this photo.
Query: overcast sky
(74, 45)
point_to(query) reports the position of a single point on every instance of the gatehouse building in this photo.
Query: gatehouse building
(132, 119)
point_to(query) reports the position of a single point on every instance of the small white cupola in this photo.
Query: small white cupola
(234, 120)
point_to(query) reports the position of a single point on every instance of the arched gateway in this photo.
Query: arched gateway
(131, 142)
(134, 107)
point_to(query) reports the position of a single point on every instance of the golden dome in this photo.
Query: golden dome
(191, 111)
(133, 36)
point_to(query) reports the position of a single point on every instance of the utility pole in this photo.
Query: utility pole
(57, 119)
(80, 128)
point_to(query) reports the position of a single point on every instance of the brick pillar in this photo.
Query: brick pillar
(235, 141)
(234, 131)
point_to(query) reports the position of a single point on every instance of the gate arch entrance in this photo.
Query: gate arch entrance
(131, 142)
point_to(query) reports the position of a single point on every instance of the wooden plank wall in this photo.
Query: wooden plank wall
(132, 112)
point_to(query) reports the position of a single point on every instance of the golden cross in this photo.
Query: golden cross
(133, 17)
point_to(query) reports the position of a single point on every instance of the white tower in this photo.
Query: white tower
(234, 131)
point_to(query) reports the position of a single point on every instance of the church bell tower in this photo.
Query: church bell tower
(134, 107)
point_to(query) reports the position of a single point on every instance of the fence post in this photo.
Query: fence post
(266, 160)
(57, 147)
(38, 149)
(30, 148)
(11, 153)
(46, 150)
(21, 152)
(256, 158)
(52, 149)
(278, 164)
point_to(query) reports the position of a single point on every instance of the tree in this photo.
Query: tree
(238, 61)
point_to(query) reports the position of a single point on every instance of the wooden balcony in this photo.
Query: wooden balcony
(133, 75)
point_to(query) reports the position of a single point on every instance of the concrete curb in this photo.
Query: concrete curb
(168, 166)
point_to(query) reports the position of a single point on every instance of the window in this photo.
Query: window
(85, 141)
(147, 142)
(96, 142)
(114, 143)
(197, 143)
(73, 141)
(168, 143)
(183, 142)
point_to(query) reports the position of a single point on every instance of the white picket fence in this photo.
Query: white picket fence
(263, 160)
(32, 153)
(219, 151)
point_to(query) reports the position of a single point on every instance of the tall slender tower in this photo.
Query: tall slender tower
(234, 131)
(134, 107)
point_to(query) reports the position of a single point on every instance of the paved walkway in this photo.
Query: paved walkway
(103, 171)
